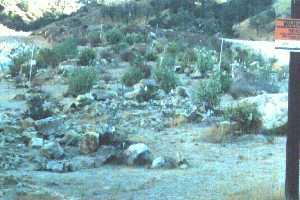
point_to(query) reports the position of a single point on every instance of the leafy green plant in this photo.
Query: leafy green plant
(166, 78)
(208, 93)
(225, 80)
(81, 81)
(188, 57)
(87, 57)
(114, 36)
(246, 116)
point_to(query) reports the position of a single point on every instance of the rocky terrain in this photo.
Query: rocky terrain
(134, 111)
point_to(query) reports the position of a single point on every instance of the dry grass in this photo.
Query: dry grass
(216, 134)
(259, 193)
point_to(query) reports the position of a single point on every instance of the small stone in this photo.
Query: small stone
(52, 150)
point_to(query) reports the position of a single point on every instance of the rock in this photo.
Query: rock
(109, 155)
(163, 163)
(242, 88)
(273, 109)
(89, 143)
(36, 142)
(181, 91)
(51, 126)
(81, 162)
(138, 154)
(27, 123)
(70, 138)
(55, 166)
(102, 95)
(52, 150)
(85, 99)
(143, 91)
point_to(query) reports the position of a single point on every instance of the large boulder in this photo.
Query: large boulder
(138, 154)
(273, 109)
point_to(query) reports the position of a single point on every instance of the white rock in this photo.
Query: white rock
(36, 142)
(273, 108)
(138, 154)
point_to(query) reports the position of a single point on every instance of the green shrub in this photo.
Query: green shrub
(132, 76)
(66, 49)
(114, 36)
(133, 38)
(81, 81)
(37, 108)
(94, 38)
(87, 57)
(225, 80)
(205, 61)
(246, 116)
(188, 57)
(208, 93)
(166, 78)
(151, 55)
(47, 57)
(167, 60)
(21, 65)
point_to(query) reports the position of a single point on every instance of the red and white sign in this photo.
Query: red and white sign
(287, 34)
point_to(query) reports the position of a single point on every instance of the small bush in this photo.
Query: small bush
(225, 80)
(133, 38)
(66, 49)
(205, 61)
(87, 57)
(37, 107)
(133, 75)
(167, 60)
(166, 78)
(188, 57)
(21, 65)
(246, 116)
(151, 55)
(81, 81)
(208, 92)
(114, 36)
(47, 57)
(94, 38)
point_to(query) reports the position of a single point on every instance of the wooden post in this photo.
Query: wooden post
(292, 145)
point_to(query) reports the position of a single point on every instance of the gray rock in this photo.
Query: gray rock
(52, 150)
(138, 154)
(181, 91)
(55, 166)
(163, 163)
(51, 126)
(81, 162)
